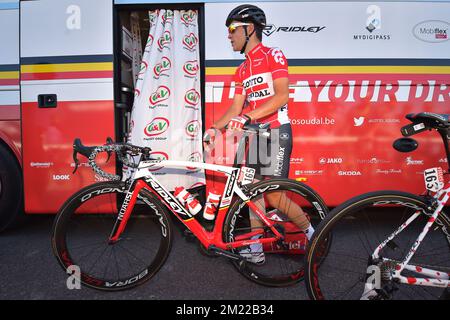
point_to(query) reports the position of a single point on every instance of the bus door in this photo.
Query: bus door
(66, 77)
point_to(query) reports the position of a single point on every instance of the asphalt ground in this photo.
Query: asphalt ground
(30, 271)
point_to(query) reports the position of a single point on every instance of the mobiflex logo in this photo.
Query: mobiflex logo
(432, 31)
(192, 98)
(160, 68)
(161, 94)
(191, 68)
(190, 41)
(156, 127)
(165, 40)
(193, 128)
(188, 17)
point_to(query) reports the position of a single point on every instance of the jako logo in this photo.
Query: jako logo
(161, 94)
(330, 160)
(191, 67)
(164, 65)
(193, 128)
(432, 31)
(156, 127)
(349, 173)
(192, 97)
(190, 41)
(358, 121)
(164, 40)
(188, 17)
(61, 177)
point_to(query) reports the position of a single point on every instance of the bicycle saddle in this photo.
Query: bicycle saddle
(431, 120)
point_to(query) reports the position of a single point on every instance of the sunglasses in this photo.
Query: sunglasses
(232, 27)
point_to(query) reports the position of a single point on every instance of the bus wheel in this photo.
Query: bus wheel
(11, 190)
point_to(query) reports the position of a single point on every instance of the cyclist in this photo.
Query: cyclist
(261, 82)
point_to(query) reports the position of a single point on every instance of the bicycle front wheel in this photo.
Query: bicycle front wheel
(282, 263)
(359, 226)
(82, 228)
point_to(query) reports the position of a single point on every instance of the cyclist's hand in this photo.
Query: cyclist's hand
(209, 135)
(238, 122)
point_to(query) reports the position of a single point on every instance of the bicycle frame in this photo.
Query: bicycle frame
(434, 278)
(144, 179)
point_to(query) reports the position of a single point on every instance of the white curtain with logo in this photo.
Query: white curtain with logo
(166, 114)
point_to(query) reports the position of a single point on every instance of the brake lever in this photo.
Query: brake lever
(109, 141)
(75, 159)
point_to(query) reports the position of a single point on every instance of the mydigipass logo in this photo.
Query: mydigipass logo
(271, 28)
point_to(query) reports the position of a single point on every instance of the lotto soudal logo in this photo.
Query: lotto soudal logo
(349, 173)
(191, 68)
(41, 164)
(194, 157)
(164, 40)
(190, 42)
(193, 128)
(331, 160)
(161, 94)
(160, 68)
(271, 29)
(156, 127)
(158, 156)
(432, 31)
(373, 23)
(373, 160)
(192, 98)
(167, 17)
(188, 18)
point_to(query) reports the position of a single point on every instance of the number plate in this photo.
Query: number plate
(434, 179)
(246, 176)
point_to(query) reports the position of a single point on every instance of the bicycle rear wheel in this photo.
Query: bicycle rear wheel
(358, 227)
(284, 261)
(82, 228)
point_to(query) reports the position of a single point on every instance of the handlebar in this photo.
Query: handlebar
(121, 149)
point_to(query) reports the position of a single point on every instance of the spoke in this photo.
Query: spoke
(347, 255)
(131, 254)
(107, 265)
(350, 290)
(117, 263)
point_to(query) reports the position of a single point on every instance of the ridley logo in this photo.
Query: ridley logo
(191, 68)
(271, 28)
(190, 41)
(192, 97)
(156, 127)
(164, 40)
(188, 17)
(161, 94)
(164, 65)
(193, 128)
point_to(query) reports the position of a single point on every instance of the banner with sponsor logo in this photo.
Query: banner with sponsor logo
(355, 70)
(166, 113)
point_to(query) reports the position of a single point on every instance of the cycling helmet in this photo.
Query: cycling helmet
(247, 13)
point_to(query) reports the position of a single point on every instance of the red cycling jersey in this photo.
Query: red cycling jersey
(254, 79)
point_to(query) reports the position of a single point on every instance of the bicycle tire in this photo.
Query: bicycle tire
(312, 204)
(138, 255)
(323, 267)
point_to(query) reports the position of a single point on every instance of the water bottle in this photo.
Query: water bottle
(212, 203)
(187, 199)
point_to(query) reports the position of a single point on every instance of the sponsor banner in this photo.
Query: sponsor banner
(166, 114)
(322, 30)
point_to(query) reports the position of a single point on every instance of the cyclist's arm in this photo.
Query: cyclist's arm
(234, 110)
(278, 100)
